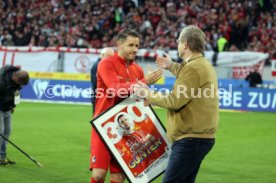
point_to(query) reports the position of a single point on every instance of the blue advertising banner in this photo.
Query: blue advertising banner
(57, 90)
(248, 99)
(77, 89)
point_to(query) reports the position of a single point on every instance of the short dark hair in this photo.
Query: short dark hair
(121, 115)
(22, 76)
(123, 34)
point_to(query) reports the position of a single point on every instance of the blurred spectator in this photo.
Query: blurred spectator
(248, 24)
(221, 42)
(105, 52)
(233, 48)
(254, 78)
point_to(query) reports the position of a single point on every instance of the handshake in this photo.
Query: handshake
(141, 89)
(162, 62)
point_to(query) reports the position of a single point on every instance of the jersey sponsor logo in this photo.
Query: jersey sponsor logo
(94, 159)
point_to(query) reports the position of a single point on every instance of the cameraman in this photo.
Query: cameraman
(12, 79)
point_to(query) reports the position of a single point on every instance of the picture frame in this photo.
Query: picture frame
(137, 139)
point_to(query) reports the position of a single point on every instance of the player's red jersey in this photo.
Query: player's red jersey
(115, 74)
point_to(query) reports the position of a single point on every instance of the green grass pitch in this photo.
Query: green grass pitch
(57, 135)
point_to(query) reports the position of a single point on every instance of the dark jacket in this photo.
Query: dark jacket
(7, 87)
(93, 75)
(254, 78)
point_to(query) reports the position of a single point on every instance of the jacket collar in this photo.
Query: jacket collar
(122, 60)
(195, 56)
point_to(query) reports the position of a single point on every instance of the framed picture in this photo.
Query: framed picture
(137, 139)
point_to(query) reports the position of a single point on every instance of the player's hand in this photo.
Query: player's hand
(152, 77)
(141, 90)
(164, 62)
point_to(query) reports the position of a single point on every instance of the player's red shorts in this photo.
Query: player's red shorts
(100, 155)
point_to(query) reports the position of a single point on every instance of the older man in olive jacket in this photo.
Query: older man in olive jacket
(192, 105)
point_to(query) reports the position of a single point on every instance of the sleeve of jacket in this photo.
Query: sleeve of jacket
(2, 78)
(106, 71)
(93, 75)
(186, 85)
(2, 86)
(175, 68)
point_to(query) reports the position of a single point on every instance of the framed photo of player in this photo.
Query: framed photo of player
(136, 138)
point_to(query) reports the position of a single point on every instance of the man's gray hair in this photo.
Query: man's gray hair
(195, 38)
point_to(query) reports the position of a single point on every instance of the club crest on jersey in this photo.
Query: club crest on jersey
(94, 159)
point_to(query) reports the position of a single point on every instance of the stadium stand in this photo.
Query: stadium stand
(229, 25)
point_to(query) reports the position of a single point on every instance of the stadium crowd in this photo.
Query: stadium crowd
(229, 25)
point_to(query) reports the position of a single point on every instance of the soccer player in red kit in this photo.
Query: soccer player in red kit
(115, 73)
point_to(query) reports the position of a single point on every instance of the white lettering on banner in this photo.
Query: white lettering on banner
(251, 103)
(262, 100)
(86, 93)
(222, 92)
(256, 100)
(225, 98)
(273, 106)
(228, 99)
(236, 59)
(65, 91)
(237, 99)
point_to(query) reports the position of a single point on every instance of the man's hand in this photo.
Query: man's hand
(141, 90)
(152, 77)
(164, 62)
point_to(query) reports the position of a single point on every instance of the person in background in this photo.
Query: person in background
(254, 78)
(12, 79)
(105, 52)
